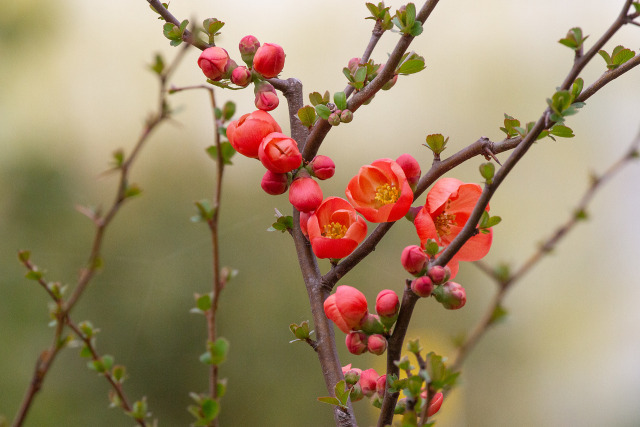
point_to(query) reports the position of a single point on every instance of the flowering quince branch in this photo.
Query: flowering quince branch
(505, 280)
(63, 308)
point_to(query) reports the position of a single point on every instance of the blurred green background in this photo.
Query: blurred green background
(75, 87)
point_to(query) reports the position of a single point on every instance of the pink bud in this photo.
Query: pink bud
(353, 64)
(241, 76)
(248, 47)
(304, 218)
(356, 342)
(368, 380)
(371, 324)
(387, 303)
(213, 61)
(274, 183)
(322, 167)
(305, 194)
(381, 385)
(377, 344)
(413, 259)
(352, 376)
(411, 169)
(439, 274)
(269, 60)
(451, 295)
(422, 286)
(279, 153)
(266, 97)
(346, 116)
(356, 393)
(435, 404)
(346, 307)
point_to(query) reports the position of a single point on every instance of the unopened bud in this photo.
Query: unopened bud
(274, 183)
(377, 344)
(439, 274)
(305, 194)
(422, 286)
(413, 259)
(356, 342)
(411, 169)
(241, 76)
(346, 116)
(322, 167)
(451, 295)
(248, 47)
(334, 119)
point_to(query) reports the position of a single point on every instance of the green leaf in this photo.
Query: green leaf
(361, 74)
(620, 56)
(307, 115)
(605, 56)
(219, 350)
(212, 26)
(437, 143)
(204, 302)
(33, 275)
(119, 373)
(323, 111)
(341, 391)
(227, 151)
(373, 9)
(158, 64)
(510, 125)
(228, 110)
(636, 5)
(132, 191)
(410, 67)
(487, 170)
(24, 256)
(561, 131)
(340, 99)
(85, 352)
(330, 400)
(416, 29)
(576, 88)
(574, 39)
(282, 224)
(205, 211)
(410, 11)
(498, 315)
(107, 361)
(209, 409)
(316, 98)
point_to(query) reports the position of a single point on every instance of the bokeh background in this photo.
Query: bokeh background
(75, 87)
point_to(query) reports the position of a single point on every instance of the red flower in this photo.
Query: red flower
(246, 133)
(335, 229)
(380, 191)
(449, 204)
(214, 62)
(269, 60)
(279, 153)
(346, 307)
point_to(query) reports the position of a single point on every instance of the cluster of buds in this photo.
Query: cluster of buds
(263, 62)
(364, 383)
(432, 281)
(366, 332)
(340, 116)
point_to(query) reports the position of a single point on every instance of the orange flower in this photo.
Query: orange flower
(335, 229)
(449, 204)
(380, 191)
(246, 133)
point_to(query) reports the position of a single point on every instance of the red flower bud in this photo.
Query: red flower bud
(387, 303)
(213, 61)
(246, 133)
(241, 76)
(411, 169)
(274, 183)
(381, 385)
(368, 380)
(353, 64)
(435, 404)
(267, 101)
(248, 47)
(422, 286)
(279, 153)
(269, 60)
(439, 274)
(451, 295)
(356, 342)
(346, 307)
(413, 259)
(304, 218)
(305, 194)
(377, 344)
(322, 167)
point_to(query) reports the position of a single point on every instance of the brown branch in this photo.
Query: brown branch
(187, 36)
(549, 244)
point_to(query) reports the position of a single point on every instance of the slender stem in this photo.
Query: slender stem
(187, 36)
(549, 244)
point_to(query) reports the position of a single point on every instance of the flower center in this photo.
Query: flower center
(386, 194)
(443, 223)
(335, 230)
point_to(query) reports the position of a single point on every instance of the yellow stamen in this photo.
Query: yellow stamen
(386, 194)
(335, 230)
(443, 223)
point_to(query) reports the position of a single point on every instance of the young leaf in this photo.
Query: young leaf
(411, 66)
(323, 111)
(561, 131)
(307, 115)
(340, 99)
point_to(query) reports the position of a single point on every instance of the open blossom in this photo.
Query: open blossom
(279, 153)
(335, 229)
(346, 307)
(446, 211)
(246, 133)
(380, 191)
